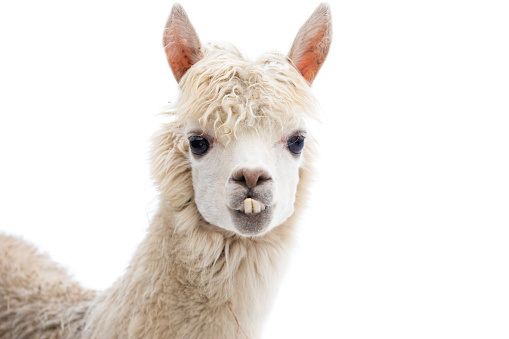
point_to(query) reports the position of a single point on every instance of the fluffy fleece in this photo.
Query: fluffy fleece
(188, 278)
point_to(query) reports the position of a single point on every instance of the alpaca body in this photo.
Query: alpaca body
(232, 173)
(204, 272)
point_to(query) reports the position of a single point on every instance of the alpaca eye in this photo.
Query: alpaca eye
(296, 144)
(199, 145)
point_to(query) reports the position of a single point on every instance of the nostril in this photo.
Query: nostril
(251, 177)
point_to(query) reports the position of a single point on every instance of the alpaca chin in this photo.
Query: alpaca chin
(253, 224)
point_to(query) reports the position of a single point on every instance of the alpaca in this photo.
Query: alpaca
(232, 169)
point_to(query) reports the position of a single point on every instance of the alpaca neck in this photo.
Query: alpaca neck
(189, 279)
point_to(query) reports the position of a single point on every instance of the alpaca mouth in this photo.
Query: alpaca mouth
(252, 218)
(252, 206)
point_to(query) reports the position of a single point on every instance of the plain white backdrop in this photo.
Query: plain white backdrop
(407, 230)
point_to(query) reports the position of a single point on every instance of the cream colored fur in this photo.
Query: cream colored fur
(37, 298)
(188, 278)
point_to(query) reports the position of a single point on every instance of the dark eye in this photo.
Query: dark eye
(199, 145)
(296, 144)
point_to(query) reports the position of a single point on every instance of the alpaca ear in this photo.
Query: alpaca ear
(311, 45)
(181, 43)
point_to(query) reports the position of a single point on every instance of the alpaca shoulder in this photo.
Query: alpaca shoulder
(38, 299)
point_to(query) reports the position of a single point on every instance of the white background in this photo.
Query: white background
(406, 234)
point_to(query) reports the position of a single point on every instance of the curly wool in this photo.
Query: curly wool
(229, 92)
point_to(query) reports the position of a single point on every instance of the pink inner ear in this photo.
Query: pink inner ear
(181, 43)
(313, 57)
(181, 57)
(311, 45)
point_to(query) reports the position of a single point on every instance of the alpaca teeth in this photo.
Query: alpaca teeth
(257, 207)
(248, 206)
(252, 206)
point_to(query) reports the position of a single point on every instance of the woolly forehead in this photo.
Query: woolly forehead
(226, 94)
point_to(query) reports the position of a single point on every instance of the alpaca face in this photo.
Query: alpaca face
(247, 181)
(246, 184)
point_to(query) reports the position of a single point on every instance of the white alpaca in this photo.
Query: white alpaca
(232, 172)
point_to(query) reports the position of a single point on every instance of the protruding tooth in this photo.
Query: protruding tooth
(252, 206)
(257, 208)
(248, 206)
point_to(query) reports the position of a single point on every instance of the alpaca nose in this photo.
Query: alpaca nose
(250, 177)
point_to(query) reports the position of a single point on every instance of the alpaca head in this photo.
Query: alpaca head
(240, 126)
